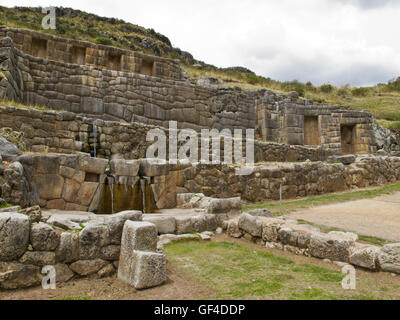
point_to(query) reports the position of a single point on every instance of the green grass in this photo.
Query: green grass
(237, 271)
(5, 205)
(289, 206)
(25, 106)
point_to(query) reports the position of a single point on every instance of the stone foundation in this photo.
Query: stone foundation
(306, 240)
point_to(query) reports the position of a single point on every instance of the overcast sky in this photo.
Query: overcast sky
(323, 41)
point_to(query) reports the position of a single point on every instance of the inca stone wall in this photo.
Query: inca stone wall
(76, 182)
(130, 97)
(284, 119)
(85, 53)
(58, 78)
(67, 132)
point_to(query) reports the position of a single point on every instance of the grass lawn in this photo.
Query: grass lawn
(289, 206)
(239, 270)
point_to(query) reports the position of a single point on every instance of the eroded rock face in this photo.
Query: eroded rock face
(116, 224)
(44, 237)
(14, 236)
(151, 269)
(92, 239)
(251, 225)
(68, 250)
(389, 258)
(8, 150)
(39, 259)
(88, 267)
(364, 256)
(17, 275)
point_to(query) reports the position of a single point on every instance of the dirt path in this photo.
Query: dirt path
(378, 217)
(179, 286)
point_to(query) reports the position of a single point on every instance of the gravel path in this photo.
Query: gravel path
(378, 217)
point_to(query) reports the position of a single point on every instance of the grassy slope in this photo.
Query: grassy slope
(382, 100)
(259, 274)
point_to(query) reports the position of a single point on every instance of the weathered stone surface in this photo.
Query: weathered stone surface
(110, 253)
(8, 151)
(34, 214)
(260, 213)
(38, 258)
(17, 275)
(94, 165)
(63, 273)
(364, 256)
(14, 235)
(68, 250)
(165, 225)
(107, 271)
(347, 159)
(50, 186)
(91, 239)
(86, 193)
(150, 270)
(205, 222)
(250, 225)
(140, 236)
(153, 168)
(184, 225)
(232, 205)
(389, 258)
(128, 168)
(326, 247)
(117, 221)
(88, 267)
(233, 229)
(44, 237)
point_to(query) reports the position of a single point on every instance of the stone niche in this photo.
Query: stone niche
(114, 61)
(147, 67)
(39, 47)
(311, 131)
(348, 139)
(78, 55)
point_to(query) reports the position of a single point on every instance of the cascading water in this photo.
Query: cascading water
(111, 184)
(143, 187)
(95, 134)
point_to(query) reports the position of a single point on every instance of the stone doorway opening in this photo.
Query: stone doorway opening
(311, 131)
(348, 139)
(39, 48)
(114, 61)
(78, 55)
(147, 67)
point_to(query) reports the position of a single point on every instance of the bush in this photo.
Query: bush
(104, 41)
(360, 92)
(326, 88)
(394, 85)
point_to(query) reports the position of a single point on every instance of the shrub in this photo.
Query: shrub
(326, 88)
(104, 41)
(394, 84)
(360, 92)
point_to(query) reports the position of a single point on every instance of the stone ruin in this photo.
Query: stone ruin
(84, 154)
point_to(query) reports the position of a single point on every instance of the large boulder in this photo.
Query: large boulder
(91, 240)
(389, 258)
(231, 205)
(330, 247)
(88, 267)
(17, 275)
(364, 256)
(44, 237)
(8, 150)
(117, 221)
(38, 258)
(165, 225)
(14, 235)
(68, 250)
(250, 225)
(150, 270)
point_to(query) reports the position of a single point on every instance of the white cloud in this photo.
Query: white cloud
(335, 41)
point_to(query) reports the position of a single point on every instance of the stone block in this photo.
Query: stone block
(88, 267)
(389, 258)
(14, 235)
(250, 225)
(39, 259)
(128, 168)
(68, 250)
(43, 237)
(117, 221)
(165, 225)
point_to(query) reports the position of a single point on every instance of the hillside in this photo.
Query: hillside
(383, 100)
